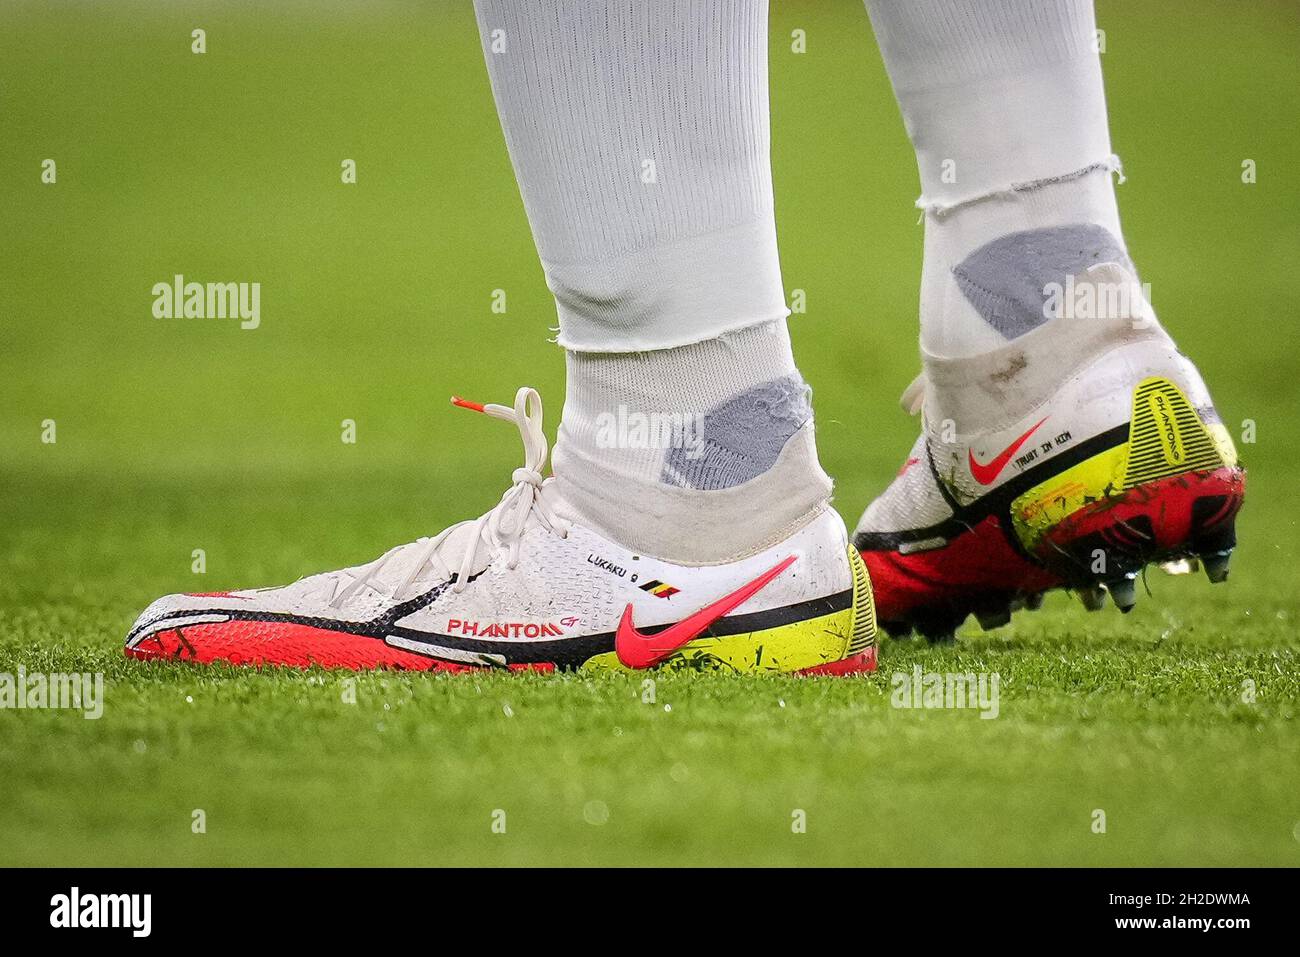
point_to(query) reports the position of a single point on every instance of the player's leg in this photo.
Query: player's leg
(688, 520)
(1064, 440)
(639, 137)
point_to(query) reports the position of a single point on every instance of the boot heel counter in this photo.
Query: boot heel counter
(862, 633)
(1167, 436)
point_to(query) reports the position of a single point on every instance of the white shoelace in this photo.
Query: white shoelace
(913, 397)
(502, 527)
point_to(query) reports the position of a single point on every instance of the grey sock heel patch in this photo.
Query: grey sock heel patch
(1006, 280)
(741, 438)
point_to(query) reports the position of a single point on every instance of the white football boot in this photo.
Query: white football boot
(1070, 457)
(524, 587)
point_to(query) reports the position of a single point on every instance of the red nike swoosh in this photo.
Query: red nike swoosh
(985, 474)
(637, 650)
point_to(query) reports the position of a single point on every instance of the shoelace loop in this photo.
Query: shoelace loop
(913, 397)
(502, 527)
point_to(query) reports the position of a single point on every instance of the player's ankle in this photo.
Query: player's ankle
(1008, 264)
(698, 454)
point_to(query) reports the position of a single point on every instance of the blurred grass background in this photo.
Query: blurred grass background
(182, 434)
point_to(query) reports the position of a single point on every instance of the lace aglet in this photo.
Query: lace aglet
(466, 404)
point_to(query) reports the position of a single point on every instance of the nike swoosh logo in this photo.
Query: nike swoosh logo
(637, 650)
(985, 474)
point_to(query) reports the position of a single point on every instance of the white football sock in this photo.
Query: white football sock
(703, 453)
(988, 263)
(639, 136)
(1004, 103)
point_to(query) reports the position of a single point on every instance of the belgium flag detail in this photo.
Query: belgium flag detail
(1166, 436)
(660, 589)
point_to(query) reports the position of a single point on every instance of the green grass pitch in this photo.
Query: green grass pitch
(177, 435)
